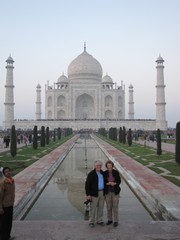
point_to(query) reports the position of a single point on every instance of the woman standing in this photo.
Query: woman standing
(112, 190)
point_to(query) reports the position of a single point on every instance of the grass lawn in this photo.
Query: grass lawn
(148, 157)
(27, 155)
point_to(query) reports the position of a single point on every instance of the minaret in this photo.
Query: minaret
(160, 96)
(9, 95)
(38, 102)
(131, 102)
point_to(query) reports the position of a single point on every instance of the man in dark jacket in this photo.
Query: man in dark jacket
(94, 188)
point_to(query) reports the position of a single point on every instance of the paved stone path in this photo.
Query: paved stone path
(79, 230)
(165, 146)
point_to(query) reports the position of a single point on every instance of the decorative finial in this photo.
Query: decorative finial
(84, 46)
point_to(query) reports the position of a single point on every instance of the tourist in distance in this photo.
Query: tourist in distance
(112, 190)
(94, 188)
(7, 197)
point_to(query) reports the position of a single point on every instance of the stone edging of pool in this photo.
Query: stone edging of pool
(32, 180)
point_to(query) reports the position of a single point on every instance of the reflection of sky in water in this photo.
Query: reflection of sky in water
(63, 197)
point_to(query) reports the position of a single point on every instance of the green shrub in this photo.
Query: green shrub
(42, 136)
(159, 150)
(35, 138)
(124, 135)
(13, 146)
(47, 136)
(177, 149)
(120, 135)
(129, 137)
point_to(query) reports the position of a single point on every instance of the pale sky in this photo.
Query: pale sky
(125, 36)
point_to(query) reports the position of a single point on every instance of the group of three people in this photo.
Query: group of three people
(99, 186)
(103, 186)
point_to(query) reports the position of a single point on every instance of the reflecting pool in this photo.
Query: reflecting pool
(63, 197)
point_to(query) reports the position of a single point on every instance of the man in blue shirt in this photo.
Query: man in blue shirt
(94, 187)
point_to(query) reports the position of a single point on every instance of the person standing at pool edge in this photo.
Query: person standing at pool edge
(7, 197)
(112, 190)
(94, 188)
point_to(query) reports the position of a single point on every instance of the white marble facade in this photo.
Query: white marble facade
(84, 93)
(85, 98)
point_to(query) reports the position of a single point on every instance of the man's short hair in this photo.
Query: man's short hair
(97, 162)
(4, 169)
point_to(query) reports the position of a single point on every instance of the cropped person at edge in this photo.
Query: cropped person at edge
(94, 188)
(112, 190)
(7, 197)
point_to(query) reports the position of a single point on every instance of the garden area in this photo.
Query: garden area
(27, 155)
(163, 164)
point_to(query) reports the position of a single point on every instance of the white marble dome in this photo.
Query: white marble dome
(107, 79)
(85, 65)
(62, 79)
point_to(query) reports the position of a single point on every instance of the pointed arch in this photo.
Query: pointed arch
(108, 114)
(49, 115)
(49, 101)
(108, 101)
(61, 114)
(61, 101)
(84, 107)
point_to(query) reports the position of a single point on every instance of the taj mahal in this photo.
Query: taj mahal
(85, 99)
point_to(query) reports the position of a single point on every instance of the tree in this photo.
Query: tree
(54, 135)
(129, 137)
(13, 147)
(102, 131)
(177, 148)
(124, 135)
(115, 134)
(67, 131)
(159, 150)
(47, 135)
(59, 133)
(42, 136)
(35, 138)
(110, 133)
(120, 135)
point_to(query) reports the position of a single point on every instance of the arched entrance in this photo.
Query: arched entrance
(84, 107)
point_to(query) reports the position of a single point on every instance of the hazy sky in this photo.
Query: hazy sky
(125, 36)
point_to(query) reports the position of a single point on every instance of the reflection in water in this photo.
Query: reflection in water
(64, 196)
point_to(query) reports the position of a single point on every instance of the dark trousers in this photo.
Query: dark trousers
(6, 223)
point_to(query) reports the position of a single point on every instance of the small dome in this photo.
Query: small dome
(38, 86)
(62, 79)
(130, 86)
(85, 65)
(10, 59)
(107, 79)
(160, 59)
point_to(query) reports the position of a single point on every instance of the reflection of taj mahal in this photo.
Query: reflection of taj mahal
(85, 99)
